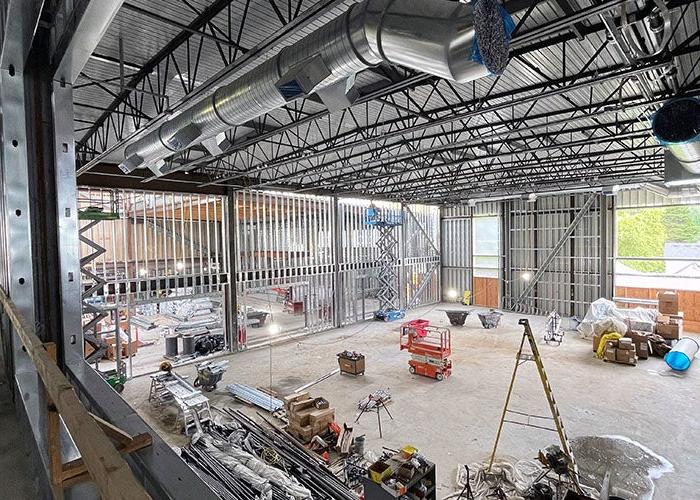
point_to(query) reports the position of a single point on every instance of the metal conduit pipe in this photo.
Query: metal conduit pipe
(431, 36)
(677, 127)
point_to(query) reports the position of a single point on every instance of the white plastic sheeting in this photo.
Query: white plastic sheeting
(254, 471)
(603, 309)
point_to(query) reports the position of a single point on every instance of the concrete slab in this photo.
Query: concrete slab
(455, 421)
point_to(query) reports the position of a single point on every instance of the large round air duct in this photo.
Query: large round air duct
(438, 37)
(677, 127)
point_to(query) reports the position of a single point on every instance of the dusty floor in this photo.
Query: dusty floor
(455, 421)
(15, 459)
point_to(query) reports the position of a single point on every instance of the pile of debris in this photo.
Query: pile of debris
(244, 460)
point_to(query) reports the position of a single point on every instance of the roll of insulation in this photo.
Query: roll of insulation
(682, 354)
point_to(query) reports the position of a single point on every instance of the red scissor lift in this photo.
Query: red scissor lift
(430, 348)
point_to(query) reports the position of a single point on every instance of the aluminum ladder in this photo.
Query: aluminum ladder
(521, 358)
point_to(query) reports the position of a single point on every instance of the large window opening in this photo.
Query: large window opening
(486, 261)
(658, 248)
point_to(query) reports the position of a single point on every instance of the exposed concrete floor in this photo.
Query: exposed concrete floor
(455, 421)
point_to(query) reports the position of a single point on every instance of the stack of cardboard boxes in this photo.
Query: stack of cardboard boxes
(307, 416)
(669, 323)
(621, 351)
(643, 338)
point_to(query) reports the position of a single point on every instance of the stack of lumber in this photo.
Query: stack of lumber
(307, 416)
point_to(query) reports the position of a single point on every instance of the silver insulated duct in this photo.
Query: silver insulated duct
(431, 36)
(677, 127)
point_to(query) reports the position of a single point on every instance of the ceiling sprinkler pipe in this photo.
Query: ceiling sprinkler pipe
(677, 127)
(440, 37)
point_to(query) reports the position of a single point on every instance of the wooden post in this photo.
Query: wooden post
(54, 437)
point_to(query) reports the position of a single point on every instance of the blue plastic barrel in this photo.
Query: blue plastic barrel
(682, 354)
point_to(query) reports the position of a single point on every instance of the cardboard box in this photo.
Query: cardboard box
(609, 354)
(643, 350)
(327, 415)
(670, 331)
(668, 302)
(293, 398)
(626, 356)
(625, 343)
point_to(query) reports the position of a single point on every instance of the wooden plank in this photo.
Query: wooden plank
(113, 431)
(111, 474)
(53, 435)
(76, 471)
(485, 292)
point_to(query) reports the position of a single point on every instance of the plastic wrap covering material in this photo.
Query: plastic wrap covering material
(609, 324)
(430, 36)
(677, 127)
(257, 470)
(603, 308)
(239, 468)
(512, 475)
(682, 354)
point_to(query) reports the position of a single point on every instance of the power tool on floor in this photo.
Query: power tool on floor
(209, 374)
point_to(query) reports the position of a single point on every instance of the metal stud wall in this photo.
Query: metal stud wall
(159, 242)
(286, 242)
(421, 258)
(323, 252)
(357, 257)
(572, 279)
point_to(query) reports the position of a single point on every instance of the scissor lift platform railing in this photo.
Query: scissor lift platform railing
(430, 348)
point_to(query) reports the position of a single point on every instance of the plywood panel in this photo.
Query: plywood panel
(485, 292)
(688, 302)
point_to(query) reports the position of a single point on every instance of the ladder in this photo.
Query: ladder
(521, 358)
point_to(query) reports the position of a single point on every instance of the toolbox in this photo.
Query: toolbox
(351, 363)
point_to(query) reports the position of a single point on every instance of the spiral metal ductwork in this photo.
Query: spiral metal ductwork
(677, 127)
(431, 36)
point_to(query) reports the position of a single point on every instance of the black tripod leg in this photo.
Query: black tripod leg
(379, 420)
(362, 411)
(387, 411)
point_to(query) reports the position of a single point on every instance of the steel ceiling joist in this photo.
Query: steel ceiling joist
(408, 128)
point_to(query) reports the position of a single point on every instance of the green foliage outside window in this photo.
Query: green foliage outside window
(644, 233)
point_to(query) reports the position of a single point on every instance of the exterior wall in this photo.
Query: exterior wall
(688, 302)
(458, 272)
(572, 279)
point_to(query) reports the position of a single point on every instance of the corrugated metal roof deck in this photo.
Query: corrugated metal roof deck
(143, 36)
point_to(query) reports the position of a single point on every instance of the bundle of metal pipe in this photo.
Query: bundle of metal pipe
(300, 463)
